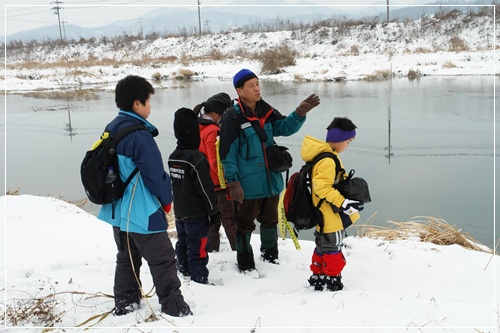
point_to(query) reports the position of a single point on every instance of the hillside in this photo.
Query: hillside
(451, 43)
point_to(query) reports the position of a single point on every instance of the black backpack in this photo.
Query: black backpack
(297, 202)
(99, 170)
(299, 208)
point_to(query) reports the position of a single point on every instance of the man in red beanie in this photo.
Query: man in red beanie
(247, 130)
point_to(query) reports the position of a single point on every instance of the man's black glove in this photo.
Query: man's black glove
(213, 219)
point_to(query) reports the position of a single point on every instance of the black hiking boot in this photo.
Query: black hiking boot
(245, 261)
(270, 255)
(317, 281)
(333, 283)
(122, 310)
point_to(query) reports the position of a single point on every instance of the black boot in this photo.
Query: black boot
(333, 283)
(245, 261)
(127, 302)
(125, 307)
(270, 254)
(269, 244)
(244, 253)
(317, 281)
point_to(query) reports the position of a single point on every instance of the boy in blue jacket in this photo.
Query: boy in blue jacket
(138, 218)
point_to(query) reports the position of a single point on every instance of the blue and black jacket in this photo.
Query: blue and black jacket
(242, 152)
(149, 190)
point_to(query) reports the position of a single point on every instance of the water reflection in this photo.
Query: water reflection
(425, 147)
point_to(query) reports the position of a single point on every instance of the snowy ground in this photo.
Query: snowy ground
(61, 254)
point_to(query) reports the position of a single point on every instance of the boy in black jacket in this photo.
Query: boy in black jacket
(195, 203)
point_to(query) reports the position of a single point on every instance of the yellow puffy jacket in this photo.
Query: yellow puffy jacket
(323, 177)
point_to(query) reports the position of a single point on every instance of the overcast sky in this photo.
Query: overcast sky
(21, 15)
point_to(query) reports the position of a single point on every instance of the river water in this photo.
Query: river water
(425, 147)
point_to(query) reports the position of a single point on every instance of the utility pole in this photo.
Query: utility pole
(387, 11)
(57, 12)
(140, 26)
(64, 28)
(199, 19)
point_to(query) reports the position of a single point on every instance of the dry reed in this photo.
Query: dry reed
(428, 229)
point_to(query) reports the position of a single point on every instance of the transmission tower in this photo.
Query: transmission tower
(57, 9)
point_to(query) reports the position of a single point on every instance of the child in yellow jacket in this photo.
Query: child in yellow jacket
(338, 212)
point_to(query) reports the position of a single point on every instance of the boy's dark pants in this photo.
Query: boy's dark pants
(157, 249)
(265, 210)
(191, 247)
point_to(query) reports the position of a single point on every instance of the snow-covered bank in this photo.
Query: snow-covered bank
(456, 45)
(58, 253)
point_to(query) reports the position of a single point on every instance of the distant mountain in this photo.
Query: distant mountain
(239, 13)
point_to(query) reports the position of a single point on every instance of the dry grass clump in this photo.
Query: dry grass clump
(14, 191)
(428, 229)
(413, 74)
(275, 59)
(449, 64)
(422, 50)
(380, 74)
(66, 95)
(457, 45)
(35, 311)
(48, 310)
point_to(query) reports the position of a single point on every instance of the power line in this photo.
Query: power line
(18, 15)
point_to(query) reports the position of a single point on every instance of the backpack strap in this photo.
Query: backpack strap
(323, 155)
(123, 133)
(126, 130)
(338, 169)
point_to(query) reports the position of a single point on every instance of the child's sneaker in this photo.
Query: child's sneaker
(333, 283)
(317, 281)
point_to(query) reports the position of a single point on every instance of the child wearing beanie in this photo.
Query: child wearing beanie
(195, 203)
(327, 259)
(213, 109)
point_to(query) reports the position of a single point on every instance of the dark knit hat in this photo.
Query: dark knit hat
(186, 129)
(217, 103)
(242, 76)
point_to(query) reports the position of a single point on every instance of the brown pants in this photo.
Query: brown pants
(264, 210)
(226, 213)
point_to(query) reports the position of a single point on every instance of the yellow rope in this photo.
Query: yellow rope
(284, 224)
(129, 251)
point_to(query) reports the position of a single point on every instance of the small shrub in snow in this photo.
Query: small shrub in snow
(273, 60)
(458, 45)
(449, 64)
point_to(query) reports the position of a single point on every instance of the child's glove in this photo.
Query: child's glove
(307, 105)
(213, 219)
(167, 208)
(236, 192)
(350, 207)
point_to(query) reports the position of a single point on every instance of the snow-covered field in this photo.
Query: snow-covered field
(64, 257)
